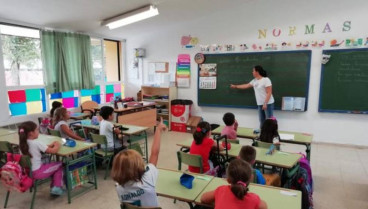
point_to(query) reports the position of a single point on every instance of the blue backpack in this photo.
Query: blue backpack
(300, 182)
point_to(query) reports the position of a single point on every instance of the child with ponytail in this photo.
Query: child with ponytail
(235, 195)
(28, 133)
(202, 145)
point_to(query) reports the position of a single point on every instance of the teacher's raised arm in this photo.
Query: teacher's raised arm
(263, 91)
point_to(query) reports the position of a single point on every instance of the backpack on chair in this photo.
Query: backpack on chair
(13, 176)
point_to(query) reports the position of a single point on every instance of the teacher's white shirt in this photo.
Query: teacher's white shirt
(259, 87)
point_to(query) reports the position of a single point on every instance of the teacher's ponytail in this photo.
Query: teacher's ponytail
(260, 70)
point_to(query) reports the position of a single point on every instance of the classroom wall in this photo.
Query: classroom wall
(239, 24)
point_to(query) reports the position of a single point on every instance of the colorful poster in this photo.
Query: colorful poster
(183, 71)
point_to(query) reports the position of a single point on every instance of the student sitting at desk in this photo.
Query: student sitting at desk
(136, 181)
(107, 129)
(269, 131)
(55, 105)
(28, 133)
(235, 195)
(60, 123)
(231, 126)
(202, 145)
(248, 154)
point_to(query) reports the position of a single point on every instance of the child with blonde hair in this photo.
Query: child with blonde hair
(136, 181)
(61, 116)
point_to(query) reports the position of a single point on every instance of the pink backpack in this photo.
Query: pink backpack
(304, 163)
(13, 176)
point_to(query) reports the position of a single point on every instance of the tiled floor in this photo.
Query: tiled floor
(339, 173)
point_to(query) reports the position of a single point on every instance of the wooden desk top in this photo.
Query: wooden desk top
(168, 185)
(4, 131)
(131, 131)
(121, 110)
(276, 198)
(278, 159)
(243, 132)
(48, 139)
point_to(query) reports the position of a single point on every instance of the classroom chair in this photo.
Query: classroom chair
(189, 159)
(4, 148)
(125, 205)
(89, 107)
(25, 162)
(102, 153)
(136, 147)
(54, 132)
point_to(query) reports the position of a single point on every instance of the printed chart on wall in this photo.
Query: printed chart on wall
(183, 71)
(208, 76)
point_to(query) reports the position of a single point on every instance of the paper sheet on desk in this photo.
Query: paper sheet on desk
(286, 136)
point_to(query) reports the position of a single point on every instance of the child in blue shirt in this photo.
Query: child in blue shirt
(248, 154)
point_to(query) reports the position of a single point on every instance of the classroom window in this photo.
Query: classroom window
(22, 55)
(97, 59)
(112, 60)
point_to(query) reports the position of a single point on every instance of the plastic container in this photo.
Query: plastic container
(180, 114)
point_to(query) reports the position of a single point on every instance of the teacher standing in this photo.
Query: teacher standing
(263, 90)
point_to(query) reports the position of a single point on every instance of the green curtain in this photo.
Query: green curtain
(66, 58)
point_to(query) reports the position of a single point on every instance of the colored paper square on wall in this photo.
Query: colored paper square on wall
(34, 107)
(17, 96)
(109, 89)
(86, 92)
(85, 99)
(43, 105)
(68, 94)
(43, 94)
(96, 90)
(109, 97)
(33, 95)
(18, 109)
(68, 102)
(56, 95)
(76, 102)
(117, 88)
(96, 98)
(117, 95)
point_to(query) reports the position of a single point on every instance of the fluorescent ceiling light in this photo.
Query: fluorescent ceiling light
(131, 17)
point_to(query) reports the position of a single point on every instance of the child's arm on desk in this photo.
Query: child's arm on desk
(208, 197)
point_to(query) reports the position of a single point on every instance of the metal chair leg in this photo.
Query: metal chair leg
(6, 199)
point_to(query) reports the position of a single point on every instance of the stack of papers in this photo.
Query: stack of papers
(286, 136)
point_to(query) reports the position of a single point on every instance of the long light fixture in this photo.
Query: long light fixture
(131, 17)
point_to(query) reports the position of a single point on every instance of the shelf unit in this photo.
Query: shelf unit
(172, 92)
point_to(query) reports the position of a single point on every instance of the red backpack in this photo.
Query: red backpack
(13, 176)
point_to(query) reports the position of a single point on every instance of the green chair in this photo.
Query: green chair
(4, 148)
(54, 132)
(25, 162)
(189, 159)
(137, 148)
(125, 205)
(102, 153)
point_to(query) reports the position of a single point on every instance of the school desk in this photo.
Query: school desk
(284, 160)
(168, 185)
(4, 131)
(65, 153)
(135, 133)
(79, 115)
(299, 138)
(276, 198)
(144, 115)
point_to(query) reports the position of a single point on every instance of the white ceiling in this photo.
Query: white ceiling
(86, 15)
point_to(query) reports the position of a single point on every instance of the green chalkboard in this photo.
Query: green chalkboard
(344, 81)
(288, 71)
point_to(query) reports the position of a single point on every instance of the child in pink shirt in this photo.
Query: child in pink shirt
(231, 126)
